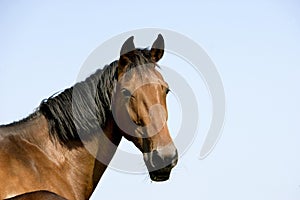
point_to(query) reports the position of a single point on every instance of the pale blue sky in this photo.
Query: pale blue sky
(255, 46)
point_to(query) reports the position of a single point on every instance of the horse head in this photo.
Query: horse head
(139, 106)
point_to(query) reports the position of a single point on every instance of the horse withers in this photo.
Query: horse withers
(47, 151)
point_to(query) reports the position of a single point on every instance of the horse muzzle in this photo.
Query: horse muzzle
(160, 165)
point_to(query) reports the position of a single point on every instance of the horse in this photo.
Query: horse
(50, 150)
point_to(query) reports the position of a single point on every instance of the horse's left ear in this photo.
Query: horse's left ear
(158, 48)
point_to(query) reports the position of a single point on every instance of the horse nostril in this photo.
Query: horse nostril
(155, 152)
(157, 159)
(160, 161)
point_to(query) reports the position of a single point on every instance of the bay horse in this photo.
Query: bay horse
(46, 154)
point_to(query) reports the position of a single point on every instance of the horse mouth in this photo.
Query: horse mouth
(160, 175)
(159, 169)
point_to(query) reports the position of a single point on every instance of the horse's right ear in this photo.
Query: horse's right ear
(127, 47)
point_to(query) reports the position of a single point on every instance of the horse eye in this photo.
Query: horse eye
(126, 92)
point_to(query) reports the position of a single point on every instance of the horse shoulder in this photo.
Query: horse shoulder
(26, 165)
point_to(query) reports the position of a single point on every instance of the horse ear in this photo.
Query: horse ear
(127, 46)
(157, 49)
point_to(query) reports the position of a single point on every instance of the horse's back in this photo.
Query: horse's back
(38, 195)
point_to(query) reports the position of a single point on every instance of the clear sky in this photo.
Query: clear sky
(255, 46)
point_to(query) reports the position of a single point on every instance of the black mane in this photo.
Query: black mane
(82, 108)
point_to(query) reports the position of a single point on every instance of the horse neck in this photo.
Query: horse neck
(89, 159)
(103, 150)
